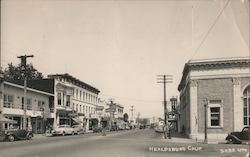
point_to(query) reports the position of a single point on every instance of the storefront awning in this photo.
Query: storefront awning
(6, 120)
(77, 120)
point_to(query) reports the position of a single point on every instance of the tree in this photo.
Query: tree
(13, 72)
(125, 117)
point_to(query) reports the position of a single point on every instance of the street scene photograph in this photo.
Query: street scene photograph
(125, 78)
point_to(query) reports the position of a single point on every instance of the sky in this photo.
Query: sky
(120, 46)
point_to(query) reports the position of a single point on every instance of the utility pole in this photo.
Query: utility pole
(24, 69)
(165, 79)
(132, 112)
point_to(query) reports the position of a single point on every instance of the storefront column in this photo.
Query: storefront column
(237, 106)
(57, 119)
(29, 123)
(87, 125)
(193, 109)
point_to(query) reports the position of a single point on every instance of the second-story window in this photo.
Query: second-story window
(80, 95)
(76, 93)
(59, 98)
(76, 107)
(80, 108)
(40, 105)
(29, 104)
(8, 101)
(67, 100)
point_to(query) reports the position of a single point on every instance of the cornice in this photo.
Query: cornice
(204, 65)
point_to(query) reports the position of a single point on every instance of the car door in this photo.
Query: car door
(245, 134)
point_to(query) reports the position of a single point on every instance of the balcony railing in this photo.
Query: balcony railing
(29, 107)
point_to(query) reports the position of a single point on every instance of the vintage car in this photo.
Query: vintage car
(97, 129)
(64, 130)
(239, 137)
(15, 134)
(78, 129)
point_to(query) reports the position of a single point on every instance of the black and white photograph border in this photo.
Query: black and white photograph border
(118, 78)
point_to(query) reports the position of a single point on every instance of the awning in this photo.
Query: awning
(6, 120)
(77, 120)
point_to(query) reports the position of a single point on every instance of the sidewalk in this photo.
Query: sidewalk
(177, 138)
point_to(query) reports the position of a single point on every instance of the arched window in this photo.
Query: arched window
(246, 102)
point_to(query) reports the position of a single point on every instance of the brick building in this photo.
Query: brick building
(224, 86)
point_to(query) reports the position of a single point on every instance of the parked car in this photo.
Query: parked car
(78, 129)
(64, 130)
(239, 137)
(15, 134)
(114, 128)
(97, 129)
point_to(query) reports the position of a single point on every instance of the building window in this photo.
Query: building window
(80, 95)
(215, 116)
(67, 100)
(59, 98)
(246, 106)
(83, 109)
(29, 104)
(8, 101)
(77, 94)
(215, 113)
(40, 105)
(83, 95)
(76, 107)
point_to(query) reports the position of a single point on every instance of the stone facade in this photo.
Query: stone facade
(220, 85)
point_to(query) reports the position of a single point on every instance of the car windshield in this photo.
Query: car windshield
(246, 129)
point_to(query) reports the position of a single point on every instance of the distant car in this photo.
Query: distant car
(78, 129)
(114, 128)
(64, 130)
(142, 127)
(239, 137)
(15, 134)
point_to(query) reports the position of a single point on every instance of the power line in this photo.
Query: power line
(210, 29)
(131, 99)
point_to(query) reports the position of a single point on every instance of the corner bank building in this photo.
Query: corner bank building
(216, 91)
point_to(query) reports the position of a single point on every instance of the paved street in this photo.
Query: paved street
(139, 143)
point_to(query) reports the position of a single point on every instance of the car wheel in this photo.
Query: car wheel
(11, 138)
(29, 137)
(63, 133)
(230, 140)
(73, 133)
